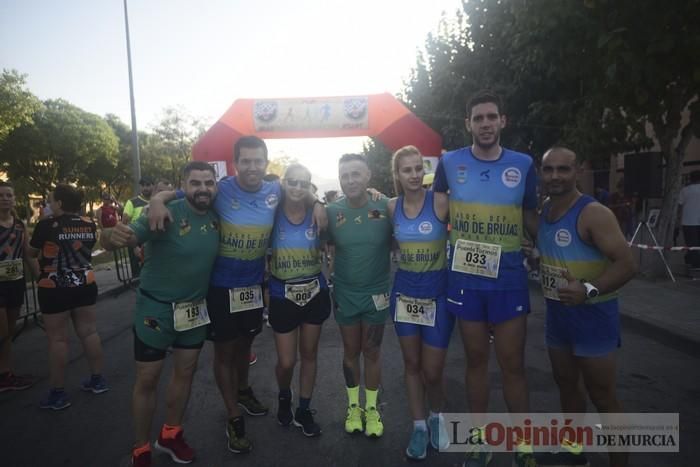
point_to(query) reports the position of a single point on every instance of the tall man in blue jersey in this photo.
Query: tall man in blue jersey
(584, 260)
(492, 192)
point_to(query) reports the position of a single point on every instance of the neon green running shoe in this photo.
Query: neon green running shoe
(353, 420)
(373, 423)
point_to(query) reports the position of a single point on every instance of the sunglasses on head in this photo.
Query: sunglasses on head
(300, 183)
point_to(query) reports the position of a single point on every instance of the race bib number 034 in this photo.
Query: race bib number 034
(301, 294)
(190, 315)
(415, 310)
(11, 270)
(245, 298)
(479, 259)
(552, 278)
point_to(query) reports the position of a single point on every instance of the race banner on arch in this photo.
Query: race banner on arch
(331, 113)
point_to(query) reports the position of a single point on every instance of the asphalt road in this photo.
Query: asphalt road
(96, 430)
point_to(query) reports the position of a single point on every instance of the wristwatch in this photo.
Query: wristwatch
(591, 290)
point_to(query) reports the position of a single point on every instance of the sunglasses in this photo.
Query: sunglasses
(299, 183)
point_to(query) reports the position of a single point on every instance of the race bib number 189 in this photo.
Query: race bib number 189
(245, 298)
(479, 259)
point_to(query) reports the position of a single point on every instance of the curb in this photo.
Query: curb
(665, 336)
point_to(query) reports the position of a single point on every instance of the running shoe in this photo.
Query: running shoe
(478, 457)
(253, 358)
(95, 384)
(439, 438)
(353, 419)
(284, 410)
(524, 459)
(418, 446)
(373, 423)
(143, 459)
(55, 400)
(13, 382)
(248, 402)
(176, 447)
(304, 419)
(235, 433)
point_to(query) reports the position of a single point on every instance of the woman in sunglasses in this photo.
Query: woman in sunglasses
(418, 299)
(299, 301)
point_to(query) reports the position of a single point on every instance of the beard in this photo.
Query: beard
(200, 200)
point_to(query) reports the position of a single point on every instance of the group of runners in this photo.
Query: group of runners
(204, 275)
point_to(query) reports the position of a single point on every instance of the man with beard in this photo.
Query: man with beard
(492, 192)
(584, 260)
(171, 309)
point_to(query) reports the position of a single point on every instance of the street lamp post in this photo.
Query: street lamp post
(134, 132)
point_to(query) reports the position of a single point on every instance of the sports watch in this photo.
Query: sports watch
(591, 290)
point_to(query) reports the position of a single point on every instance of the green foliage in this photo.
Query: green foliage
(17, 105)
(379, 160)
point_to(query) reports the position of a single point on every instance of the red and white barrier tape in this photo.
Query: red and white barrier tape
(666, 248)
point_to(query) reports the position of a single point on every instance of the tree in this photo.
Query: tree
(57, 147)
(379, 161)
(17, 105)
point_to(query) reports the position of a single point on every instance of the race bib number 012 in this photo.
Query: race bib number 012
(415, 310)
(552, 278)
(245, 298)
(479, 259)
(301, 294)
(11, 270)
(190, 315)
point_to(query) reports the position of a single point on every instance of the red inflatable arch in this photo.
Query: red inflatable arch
(379, 115)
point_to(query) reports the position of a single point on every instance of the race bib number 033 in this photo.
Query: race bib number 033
(11, 270)
(301, 294)
(245, 298)
(190, 315)
(415, 310)
(479, 259)
(552, 278)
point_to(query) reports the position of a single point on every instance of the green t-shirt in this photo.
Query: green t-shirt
(362, 239)
(178, 260)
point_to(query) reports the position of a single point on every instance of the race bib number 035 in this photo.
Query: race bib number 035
(11, 270)
(301, 294)
(190, 315)
(479, 259)
(245, 298)
(415, 310)
(552, 278)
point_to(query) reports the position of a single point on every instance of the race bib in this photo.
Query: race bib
(245, 298)
(11, 270)
(381, 301)
(552, 278)
(303, 293)
(190, 315)
(479, 259)
(415, 310)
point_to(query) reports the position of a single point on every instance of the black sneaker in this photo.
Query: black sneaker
(304, 419)
(248, 402)
(235, 434)
(284, 410)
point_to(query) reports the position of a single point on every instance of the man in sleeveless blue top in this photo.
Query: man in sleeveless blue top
(492, 192)
(584, 261)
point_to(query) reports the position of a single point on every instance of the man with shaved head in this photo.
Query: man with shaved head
(584, 261)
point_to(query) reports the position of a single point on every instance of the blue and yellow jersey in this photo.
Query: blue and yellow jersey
(295, 253)
(487, 199)
(422, 271)
(562, 248)
(246, 223)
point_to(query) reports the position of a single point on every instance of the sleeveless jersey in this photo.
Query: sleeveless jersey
(486, 205)
(295, 253)
(246, 223)
(422, 271)
(12, 251)
(561, 247)
(66, 243)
